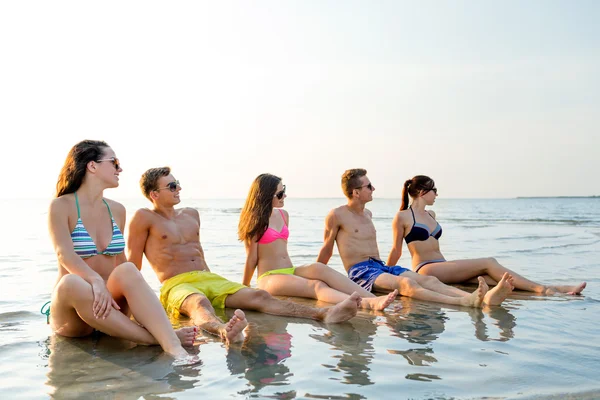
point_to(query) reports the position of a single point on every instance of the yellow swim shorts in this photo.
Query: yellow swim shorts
(281, 271)
(177, 288)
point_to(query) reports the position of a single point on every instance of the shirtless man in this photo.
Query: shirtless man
(170, 239)
(351, 227)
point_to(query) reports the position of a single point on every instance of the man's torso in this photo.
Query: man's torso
(173, 245)
(356, 238)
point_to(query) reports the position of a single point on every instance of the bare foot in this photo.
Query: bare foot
(232, 332)
(187, 335)
(475, 299)
(378, 303)
(566, 289)
(343, 311)
(501, 291)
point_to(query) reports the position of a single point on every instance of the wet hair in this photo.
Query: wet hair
(351, 180)
(75, 166)
(254, 218)
(414, 187)
(149, 179)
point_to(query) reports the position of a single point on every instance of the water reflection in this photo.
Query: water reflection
(422, 323)
(100, 365)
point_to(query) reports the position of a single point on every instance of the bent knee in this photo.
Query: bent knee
(73, 286)
(195, 301)
(408, 286)
(492, 261)
(126, 270)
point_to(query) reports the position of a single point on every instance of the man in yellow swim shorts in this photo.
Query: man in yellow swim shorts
(170, 239)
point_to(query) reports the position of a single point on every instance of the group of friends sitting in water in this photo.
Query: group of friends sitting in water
(104, 290)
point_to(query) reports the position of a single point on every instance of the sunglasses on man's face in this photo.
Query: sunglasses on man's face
(114, 160)
(172, 186)
(280, 195)
(368, 186)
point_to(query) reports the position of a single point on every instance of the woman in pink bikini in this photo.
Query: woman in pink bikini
(264, 229)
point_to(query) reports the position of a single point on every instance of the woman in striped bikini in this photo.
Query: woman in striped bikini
(264, 231)
(96, 288)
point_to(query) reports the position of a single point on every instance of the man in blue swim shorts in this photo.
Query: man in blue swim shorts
(351, 227)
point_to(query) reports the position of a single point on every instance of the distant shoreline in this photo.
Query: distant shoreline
(558, 197)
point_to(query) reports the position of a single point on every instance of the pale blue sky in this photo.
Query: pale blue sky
(491, 99)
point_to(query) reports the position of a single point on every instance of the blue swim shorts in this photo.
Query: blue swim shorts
(364, 273)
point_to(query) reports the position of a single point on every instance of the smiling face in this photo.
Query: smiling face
(108, 168)
(167, 191)
(279, 197)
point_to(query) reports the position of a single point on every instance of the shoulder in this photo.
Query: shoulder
(432, 213)
(286, 215)
(192, 212)
(368, 212)
(115, 206)
(61, 203)
(404, 215)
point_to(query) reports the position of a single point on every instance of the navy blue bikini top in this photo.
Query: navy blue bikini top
(421, 232)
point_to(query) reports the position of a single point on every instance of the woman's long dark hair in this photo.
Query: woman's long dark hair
(413, 187)
(254, 218)
(73, 171)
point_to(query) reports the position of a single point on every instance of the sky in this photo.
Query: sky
(491, 99)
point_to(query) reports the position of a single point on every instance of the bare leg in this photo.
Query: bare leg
(127, 281)
(463, 270)
(434, 284)
(261, 300)
(202, 313)
(72, 316)
(410, 288)
(298, 286)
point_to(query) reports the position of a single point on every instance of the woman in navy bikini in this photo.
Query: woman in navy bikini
(96, 288)
(265, 231)
(418, 227)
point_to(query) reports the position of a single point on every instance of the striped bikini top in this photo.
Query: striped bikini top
(84, 245)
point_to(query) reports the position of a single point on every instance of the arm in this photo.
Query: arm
(120, 216)
(397, 236)
(251, 261)
(139, 229)
(331, 230)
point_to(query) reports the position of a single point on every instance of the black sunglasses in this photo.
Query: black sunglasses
(114, 160)
(434, 190)
(368, 186)
(280, 195)
(172, 186)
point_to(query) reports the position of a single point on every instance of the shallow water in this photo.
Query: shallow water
(530, 347)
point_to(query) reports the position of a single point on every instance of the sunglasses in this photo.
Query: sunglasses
(172, 186)
(280, 195)
(114, 160)
(368, 186)
(434, 190)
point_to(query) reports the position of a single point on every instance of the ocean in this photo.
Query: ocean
(530, 347)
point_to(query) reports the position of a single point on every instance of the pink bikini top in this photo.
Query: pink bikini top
(272, 235)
